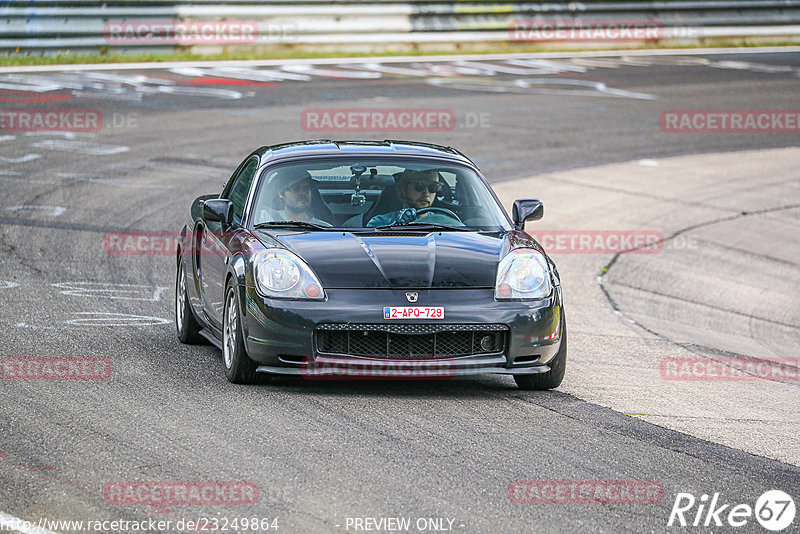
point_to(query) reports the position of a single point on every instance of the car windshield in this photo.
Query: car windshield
(373, 194)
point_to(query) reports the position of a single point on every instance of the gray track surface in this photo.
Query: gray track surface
(322, 452)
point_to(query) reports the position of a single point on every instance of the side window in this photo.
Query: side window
(237, 193)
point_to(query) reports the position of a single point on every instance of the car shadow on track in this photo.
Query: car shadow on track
(462, 387)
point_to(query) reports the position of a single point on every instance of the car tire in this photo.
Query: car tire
(552, 378)
(185, 322)
(239, 368)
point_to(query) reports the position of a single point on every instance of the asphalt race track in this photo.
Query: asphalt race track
(582, 133)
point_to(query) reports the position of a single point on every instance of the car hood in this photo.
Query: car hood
(403, 260)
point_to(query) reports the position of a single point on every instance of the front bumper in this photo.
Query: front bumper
(280, 334)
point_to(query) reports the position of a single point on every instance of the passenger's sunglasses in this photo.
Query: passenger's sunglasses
(299, 189)
(419, 187)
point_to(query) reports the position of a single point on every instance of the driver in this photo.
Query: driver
(417, 191)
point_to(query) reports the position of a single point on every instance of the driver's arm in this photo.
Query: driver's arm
(398, 217)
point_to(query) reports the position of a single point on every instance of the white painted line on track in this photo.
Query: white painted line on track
(111, 290)
(14, 524)
(378, 67)
(754, 67)
(540, 86)
(224, 94)
(98, 179)
(65, 135)
(93, 149)
(241, 73)
(397, 59)
(34, 88)
(332, 73)
(7, 176)
(52, 211)
(115, 319)
(24, 159)
(545, 65)
(507, 69)
(128, 80)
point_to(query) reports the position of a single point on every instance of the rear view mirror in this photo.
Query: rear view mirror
(527, 209)
(220, 210)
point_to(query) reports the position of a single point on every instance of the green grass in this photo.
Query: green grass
(13, 59)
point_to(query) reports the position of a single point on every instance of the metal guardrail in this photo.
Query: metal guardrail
(40, 26)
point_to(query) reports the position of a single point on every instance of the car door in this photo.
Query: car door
(215, 242)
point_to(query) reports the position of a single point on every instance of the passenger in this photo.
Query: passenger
(294, 192)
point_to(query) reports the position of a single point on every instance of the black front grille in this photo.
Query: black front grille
(411, 340)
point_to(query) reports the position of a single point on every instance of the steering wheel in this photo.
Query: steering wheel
(440, 211)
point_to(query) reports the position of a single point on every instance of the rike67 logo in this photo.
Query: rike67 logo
(774, 510)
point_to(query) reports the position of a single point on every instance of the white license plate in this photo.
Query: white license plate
(413, 312)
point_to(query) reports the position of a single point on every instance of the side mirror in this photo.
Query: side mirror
(218, 209)
(527, 209)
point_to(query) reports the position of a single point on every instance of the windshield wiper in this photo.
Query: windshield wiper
(291, 224)
(423, 226)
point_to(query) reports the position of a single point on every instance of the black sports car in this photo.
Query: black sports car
(388, 259)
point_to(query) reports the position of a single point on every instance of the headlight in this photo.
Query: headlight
(281, 274)
(522, 274)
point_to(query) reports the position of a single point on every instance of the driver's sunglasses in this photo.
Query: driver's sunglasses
(419, 187)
